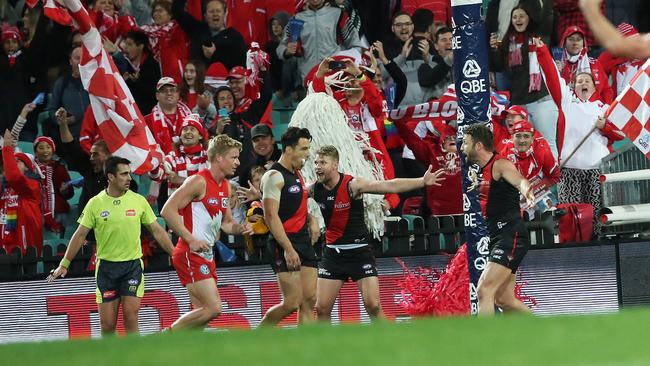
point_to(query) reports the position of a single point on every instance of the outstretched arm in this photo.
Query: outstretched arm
(359, 185)
(609, 37)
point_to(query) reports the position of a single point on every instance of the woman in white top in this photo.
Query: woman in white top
(578, 114)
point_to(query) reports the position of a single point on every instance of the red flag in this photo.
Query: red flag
(118, 117)
(630, 112)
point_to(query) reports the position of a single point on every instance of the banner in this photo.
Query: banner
(577, 280)
(473, 94)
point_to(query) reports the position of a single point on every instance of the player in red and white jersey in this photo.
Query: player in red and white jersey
(196, 212)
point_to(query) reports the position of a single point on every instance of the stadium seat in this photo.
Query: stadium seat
(10, 268)
(26, 147)
(29, 261)
(416, 233)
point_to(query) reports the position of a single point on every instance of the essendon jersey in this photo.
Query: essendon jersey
(344, 216)
(203, 217)
(293, 204)
(499, 198)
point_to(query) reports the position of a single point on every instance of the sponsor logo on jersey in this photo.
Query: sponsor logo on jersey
(367, 266)
(342, 205)
(213, 201)
(133, 288)
(108, 294)
(294, 188)
(225, 202)
(130, 212)
(116, 202)
(204, 269)
(134, 281)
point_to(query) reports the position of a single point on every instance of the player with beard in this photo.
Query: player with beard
(509, 241)
(196, 212)
(293, 258)
(347, 253)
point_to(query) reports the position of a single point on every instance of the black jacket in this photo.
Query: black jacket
(230, 45)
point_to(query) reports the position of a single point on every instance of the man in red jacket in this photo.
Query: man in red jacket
(21, 220)
(447, 198)
(532, 158)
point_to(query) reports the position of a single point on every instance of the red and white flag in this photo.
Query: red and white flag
(118, 117)
(630, 112)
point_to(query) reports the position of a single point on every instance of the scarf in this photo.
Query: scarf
(156, 34)
(48, 196)
(515, 58)
(13, 57)
(579, 63)
(161, 119)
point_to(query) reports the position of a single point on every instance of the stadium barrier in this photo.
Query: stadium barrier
(562, 280)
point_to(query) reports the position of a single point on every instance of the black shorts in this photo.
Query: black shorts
(304, 249)
(117, 279)
(509, 242)
(350, 263)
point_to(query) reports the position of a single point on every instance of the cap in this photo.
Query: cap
(194, 120)
(522, 126)
(166, 80)
(11, 33)
(216, 74)
(237, 72)
(517, 109)
(261, 129)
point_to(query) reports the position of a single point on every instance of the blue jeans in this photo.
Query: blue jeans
(543, 114)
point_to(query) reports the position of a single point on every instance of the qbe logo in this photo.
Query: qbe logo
(644, 142)
(471, 69)
(473, 86)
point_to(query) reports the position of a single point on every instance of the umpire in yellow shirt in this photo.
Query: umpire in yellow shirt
(116, 215)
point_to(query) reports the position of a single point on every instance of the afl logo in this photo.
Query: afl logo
(104, 214)
(294, 188)
(213, 201)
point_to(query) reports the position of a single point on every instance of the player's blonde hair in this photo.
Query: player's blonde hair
(220, 145)
(330, 151)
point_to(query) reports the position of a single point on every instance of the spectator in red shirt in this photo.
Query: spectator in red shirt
(192, 86)
(54, 188)
(569, 15)
(576, 61)
(20, 201)
(446, 199)
(166, 117)
(532, 157)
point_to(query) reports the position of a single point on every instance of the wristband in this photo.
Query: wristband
(360, 76)
(65, 263)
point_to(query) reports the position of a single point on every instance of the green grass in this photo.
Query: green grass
(617, 339)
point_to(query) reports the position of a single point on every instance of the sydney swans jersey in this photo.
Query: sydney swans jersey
(203, 217)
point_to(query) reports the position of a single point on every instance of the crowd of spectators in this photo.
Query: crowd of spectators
(201, 68)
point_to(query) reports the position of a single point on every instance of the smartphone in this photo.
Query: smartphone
(40, 98)
(337, 65)
(223, 113)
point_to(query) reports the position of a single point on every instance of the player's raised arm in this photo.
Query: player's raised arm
(398, 185)
(609, 37)
(189, 191)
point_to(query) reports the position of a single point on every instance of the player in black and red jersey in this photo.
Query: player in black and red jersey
(500, 188)
(290, 245)
(347, 253)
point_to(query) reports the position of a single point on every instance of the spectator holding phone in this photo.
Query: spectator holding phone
(68, 93)
(320, 35)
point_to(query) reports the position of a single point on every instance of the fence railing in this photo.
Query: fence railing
(627, 158)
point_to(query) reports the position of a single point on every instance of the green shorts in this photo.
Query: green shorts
(117, 279)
